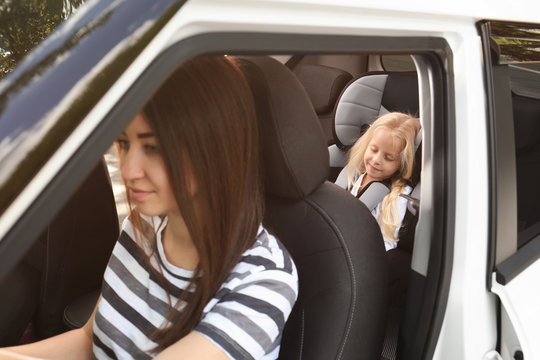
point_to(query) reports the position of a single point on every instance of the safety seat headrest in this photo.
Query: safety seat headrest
(294, 151)
(370, 96)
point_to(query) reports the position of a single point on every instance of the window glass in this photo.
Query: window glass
(525, 86)
(515, 43)
(398, 63)
(525, 79)
(516, 46)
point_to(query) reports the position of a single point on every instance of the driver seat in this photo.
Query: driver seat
(333, 238)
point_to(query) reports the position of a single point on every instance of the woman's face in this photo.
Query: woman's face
(382, 157)
(143, 170)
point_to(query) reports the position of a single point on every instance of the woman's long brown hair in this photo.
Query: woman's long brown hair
(203, 118)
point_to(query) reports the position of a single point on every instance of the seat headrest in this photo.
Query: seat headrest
(294, 151)
(371, 96)
(323, 84)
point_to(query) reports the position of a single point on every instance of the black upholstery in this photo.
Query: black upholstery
(79, 242)
(323, 85)
(78, 312)
(335, 242)
(20, 296)
(401, 93)
(291, 138)
(66, 262)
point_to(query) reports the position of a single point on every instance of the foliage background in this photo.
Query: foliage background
(25, 23)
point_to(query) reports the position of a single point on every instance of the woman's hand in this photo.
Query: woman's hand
(10, 355)
(74, 344)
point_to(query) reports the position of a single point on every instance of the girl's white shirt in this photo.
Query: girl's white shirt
(389, 243)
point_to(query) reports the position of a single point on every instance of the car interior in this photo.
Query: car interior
(65, 263)
(319, 105)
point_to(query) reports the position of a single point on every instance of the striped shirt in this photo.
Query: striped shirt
(245, 318)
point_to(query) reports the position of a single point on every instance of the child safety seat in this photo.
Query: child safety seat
(361, 103)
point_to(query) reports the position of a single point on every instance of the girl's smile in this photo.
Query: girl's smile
(382, 156)
(373, 167)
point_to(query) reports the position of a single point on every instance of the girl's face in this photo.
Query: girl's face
(382, 157)
(143, 170)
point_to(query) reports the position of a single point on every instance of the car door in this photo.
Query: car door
(512, 53)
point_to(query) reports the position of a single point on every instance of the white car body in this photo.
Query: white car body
(469, 327)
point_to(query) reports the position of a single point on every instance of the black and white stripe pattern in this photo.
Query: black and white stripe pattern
(245, 318)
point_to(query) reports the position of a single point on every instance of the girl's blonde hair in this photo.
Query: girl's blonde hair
(404, 128)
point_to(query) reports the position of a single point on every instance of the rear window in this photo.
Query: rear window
(516, 48)
(398, 63)
(525, 86)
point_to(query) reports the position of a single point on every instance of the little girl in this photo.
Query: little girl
(385, 153)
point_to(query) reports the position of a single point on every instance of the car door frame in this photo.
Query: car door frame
(511, 270)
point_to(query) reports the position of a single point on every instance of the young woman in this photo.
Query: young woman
(193, 274)
(385, 153)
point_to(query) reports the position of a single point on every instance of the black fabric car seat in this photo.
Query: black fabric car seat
(78, 242)
(20, 296)
(335, 242)
(67, 261)
(323, 85)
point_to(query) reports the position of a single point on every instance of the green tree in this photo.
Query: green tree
(25, 23)
(517, 42)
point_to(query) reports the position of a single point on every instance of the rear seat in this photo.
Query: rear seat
(323, 85)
